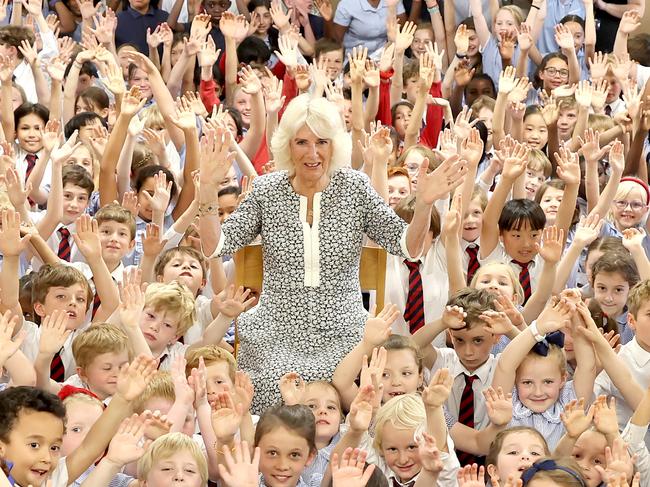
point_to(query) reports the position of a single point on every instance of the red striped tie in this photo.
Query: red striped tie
(57, 370)
(414, 312)
(30, 159)
(473, 264)
(96, 303)
(524, 278)
(466, 416)
(64, 245)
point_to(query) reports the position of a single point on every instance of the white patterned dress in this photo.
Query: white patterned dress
(310, 312)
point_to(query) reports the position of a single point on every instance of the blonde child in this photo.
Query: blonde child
(99, 353)
(172, 458)
(82, 410)
(398, 424)
(554, 472)
(538, 378)
(538, 170)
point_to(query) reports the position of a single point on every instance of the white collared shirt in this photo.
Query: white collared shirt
(637, 360)
(435, 286)
(448, 359)
(499, 254)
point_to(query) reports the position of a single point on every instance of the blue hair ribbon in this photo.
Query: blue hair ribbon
(554, 338)
(545, 466)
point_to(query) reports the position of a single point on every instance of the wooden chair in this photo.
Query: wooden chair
(372, 272)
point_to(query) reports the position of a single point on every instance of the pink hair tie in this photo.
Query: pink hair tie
(642, 184)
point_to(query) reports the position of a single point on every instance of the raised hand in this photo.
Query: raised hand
(9, 344)
(437, 392)
(325, 9)
(507, 80)
(404, 36)
(471, 148)
(131, 298)
(273, 96)
(134, 377)
(583, 93)
(240, 470)
(619, 462)
(232, 302)
(519, 92)
(453, 317)
(564, 37)
(132, 102)
(216, 157)
(349, 472)
(617, 157)
(128, 444)
(630, 21)
(87, 238)
(378, 327)
(499, 406)
(463, 126)
(53, 333)
(162, 193)
(11, 243)
(279, 17)
(292, 388)
(17, 194)
(226, 417)
(250, 82)
(471, 476)
(590, 146)
(442, 181)
(588, 229)
(555, 316)
(576, 421)
(598, 66)
(514, 157)
(461, 40)
(361, 409)
(496, 322)
(605, 418)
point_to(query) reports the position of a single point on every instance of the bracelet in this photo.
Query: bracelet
(461, 56)
(434, 10)
(535, 331)
(219, 451)
(208, 208)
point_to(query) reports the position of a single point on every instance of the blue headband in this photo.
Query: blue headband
(548, 465)
(554, 338)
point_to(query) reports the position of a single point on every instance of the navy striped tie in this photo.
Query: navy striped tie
(414, 312)
(524, 278)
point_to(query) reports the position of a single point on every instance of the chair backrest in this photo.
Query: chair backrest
(372, 271)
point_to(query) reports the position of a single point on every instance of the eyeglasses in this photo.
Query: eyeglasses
(564, 73)
(634, 205)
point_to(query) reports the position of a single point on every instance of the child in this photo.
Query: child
(330, 53)
(99, 353)
(535, 128)
(514, 229)
(155, 324)
(538, 377)
(561, 472)
(82, 410)
(538, 170)
(612, 277)
(513, 451)
(633, 354)
(325, 403)
(33, 427)
(399, 185)
(398, 424)
(170, 459)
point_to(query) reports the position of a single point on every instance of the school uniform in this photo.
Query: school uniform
(556, 10)
(448, 359)
(448, 477)
(499, 254)
(203, 319)
(170, 353)
(313, 474)
(634, 437)
(30, 347)
(435, 286)
(549, 422)
(637, 361)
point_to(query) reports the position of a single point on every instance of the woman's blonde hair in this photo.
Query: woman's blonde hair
(322, 118)
(167, 446)
(516, 285)
(403, 412)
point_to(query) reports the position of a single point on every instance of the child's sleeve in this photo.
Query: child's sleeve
(634, 436)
